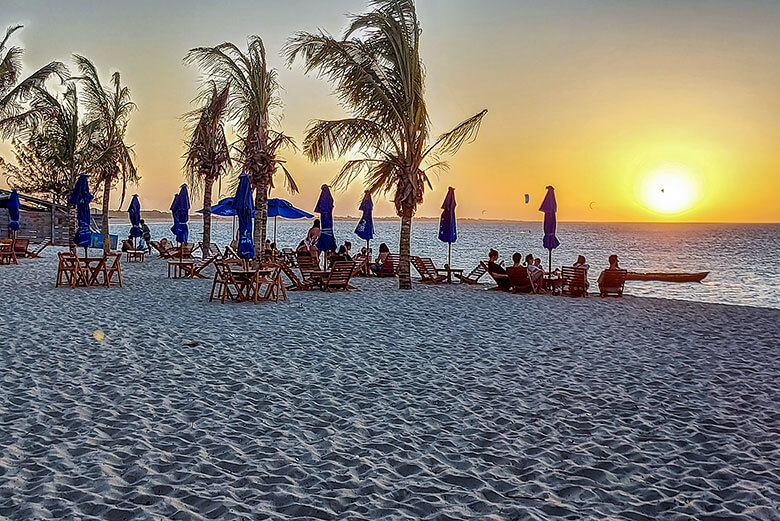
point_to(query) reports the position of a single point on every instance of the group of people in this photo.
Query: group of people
(536, 272)
(144, 242)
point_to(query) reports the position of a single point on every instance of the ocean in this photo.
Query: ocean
(743, 259)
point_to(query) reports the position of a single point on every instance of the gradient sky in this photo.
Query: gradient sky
(593, 97)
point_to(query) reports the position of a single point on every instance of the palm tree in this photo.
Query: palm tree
(108, 112)
(52, 145)
(14, 92)
(253, 97)
(378, 75)
(208, 154)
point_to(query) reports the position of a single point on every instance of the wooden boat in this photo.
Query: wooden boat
(668, 277)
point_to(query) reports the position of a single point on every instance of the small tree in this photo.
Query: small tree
(208, 154)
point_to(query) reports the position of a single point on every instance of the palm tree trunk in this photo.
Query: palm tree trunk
(261, 218)
(404, 277)
(104, 225)
(209, 183)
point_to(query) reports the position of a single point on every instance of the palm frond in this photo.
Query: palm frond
(450, 142)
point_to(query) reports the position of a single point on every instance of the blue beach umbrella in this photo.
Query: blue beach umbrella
(244, 205)
(134, 214)
(327, 241)
(180, 209)
(448, 229)
(549, 207)
(365, 227)
(80, 197)
(285, 210)
(13, 211)
(223, 207)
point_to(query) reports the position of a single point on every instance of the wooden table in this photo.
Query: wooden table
(449, 271)
(249, 280)
(178, 270)
(135, 255)
(553, 284)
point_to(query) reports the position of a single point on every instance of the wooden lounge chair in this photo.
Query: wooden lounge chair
(520, 281)
(37, 249)
(428, 272)
(339, 276)
(574, 282)
(7, 252)
(131, 253)
(230, 252)
(112, 267)
(298, 284)
(70, 272)
(20, 247)
(611, 282)
(475, 275)
(289, 257)
(208, 250)
(307, 265)
(196, 268)
(166, 252)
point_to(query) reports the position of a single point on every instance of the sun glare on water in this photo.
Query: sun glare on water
(669, 190)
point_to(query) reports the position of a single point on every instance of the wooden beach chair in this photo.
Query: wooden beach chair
(20, 247)
(361, 265)
(112, 268)
(339, 276)
(7, 252)
(289, 257)
(37, 249)
(474, 276)
(225, 286)
(427, 270)
(611, 282)
(70, 272)
(298, 284)
(208, 250)
(275, 289)
(230, 252)
(520, 281)
(574, 282)
(198, 266)
(307, 265)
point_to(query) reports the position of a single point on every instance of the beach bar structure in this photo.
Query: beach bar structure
(39, 219)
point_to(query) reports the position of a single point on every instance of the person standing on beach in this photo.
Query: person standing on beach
(311, 239)
(146, 233)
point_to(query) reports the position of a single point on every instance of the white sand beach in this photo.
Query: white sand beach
(447, 402)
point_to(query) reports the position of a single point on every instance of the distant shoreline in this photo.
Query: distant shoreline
(161, 216)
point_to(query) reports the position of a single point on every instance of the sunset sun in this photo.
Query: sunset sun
(669, 190)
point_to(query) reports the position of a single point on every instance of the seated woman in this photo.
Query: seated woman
(497, 271)
(613, 265)
(517, 260)
(383, 264)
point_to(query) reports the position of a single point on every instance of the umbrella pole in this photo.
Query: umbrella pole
(275, 229)
(449, 254)
(549, 265)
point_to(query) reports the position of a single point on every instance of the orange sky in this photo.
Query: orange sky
(592, 98)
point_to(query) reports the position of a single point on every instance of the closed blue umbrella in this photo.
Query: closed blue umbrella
(327, 241)
(549, 207)
(285, 210)
(180, 209)
(365, 227)
(13, 211)
(80, 197)
(448, 229)
(134, 214)
(244, 204)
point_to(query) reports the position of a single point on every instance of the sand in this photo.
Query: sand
(439, 403)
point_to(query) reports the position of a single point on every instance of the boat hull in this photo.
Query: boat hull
(668, 277)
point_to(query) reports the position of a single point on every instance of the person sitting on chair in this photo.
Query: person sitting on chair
(497, 271)
(517, 260)
(383, 261)
(535, 273)
(613, 266)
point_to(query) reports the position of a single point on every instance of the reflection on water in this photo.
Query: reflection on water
(743, 259)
